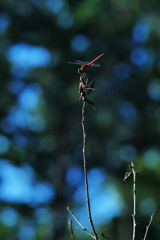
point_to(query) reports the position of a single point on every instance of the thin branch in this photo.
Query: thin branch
(134, 201)
(79, 223)
(148, 226)
(104, 236)
(85, 171)
(84, 90)
(71, 229)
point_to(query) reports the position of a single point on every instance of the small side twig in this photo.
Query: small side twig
(79, 223)
(104, 236)
(134, 200)
(127, 176)
(147, 227)
(71, 229)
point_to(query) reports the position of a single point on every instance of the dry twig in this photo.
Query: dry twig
(148, 226)
(79, 223)
(71, 229)
(85, 172)
(84, 90)
(134, 201)
(104, 236)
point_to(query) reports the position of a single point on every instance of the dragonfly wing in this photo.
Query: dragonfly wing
(95, 65)
(78, 62)
(81, 62)
(74, 63)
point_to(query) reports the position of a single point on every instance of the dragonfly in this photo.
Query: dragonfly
(85, 65)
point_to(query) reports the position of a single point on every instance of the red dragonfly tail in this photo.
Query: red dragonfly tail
(89, 64)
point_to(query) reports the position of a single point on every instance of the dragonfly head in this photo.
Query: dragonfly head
(80, 71)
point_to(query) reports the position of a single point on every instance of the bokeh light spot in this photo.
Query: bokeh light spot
(140, 33)
(43, 215)
(96, 176)
(148, 206)
(7, 126)
(4, 22)
(80, 43)
(74, 176)
(154, 89)
(19, 72)
(27, 233)
(29, 96)
(9, 216)
(127, 153)
(65, 19)
(18, 185)
(4, 144)
(151, 158)
(19, 141)
(22, 118)
(54, 5)
(139, 56)
(103, 197)
(42, 193)
(28, 56)
(16, 85)
(128, 111)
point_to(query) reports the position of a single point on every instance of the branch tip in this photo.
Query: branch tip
(104, 236)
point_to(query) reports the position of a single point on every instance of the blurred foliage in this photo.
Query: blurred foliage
(46, 134)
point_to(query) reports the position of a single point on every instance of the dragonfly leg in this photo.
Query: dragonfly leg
(83, 75)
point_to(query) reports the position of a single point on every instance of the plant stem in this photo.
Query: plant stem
(71, 229)
(134, 201)
(148, 226)
(85, 171)
(79, 222)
